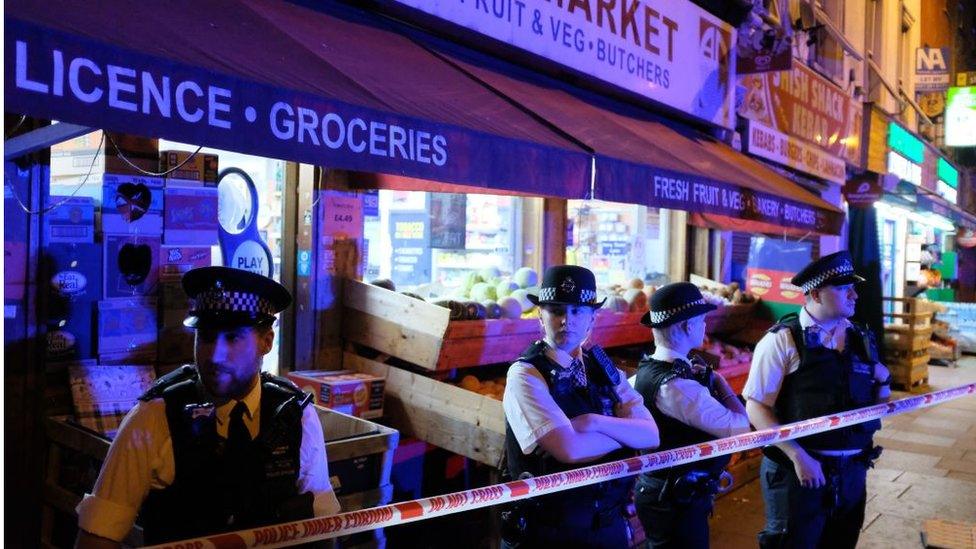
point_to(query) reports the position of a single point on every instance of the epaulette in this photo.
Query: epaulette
(783, 322)
(177, 376)
(533, 351)
(288, 388)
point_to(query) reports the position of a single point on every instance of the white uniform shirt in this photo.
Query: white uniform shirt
(776, 356)
(691, 403)
(141, 458)
(531, 411)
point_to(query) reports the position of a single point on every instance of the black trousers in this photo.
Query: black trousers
(671, 524)
(573, 526)
(827, 517)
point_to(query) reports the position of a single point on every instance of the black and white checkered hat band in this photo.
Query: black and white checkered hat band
(217, 300)
(660, 316)
(549, 294)
(844, 269)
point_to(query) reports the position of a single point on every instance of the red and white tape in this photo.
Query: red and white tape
(303, 531)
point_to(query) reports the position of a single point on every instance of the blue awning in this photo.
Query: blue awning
(337, 89)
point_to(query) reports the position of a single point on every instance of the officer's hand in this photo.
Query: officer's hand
(808, 470)
(585, 423)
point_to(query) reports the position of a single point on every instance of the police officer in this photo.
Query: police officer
(218, 446)
(566, 407)
(690, 403)
(812, 364)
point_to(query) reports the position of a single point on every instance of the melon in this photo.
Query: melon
(522, 295)
(483, 291)
(504, 288)
(490, 274)
(470, 280)
(526, 277)
(510, 307)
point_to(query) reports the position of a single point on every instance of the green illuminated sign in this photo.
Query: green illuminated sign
(903, 141)
(948, 174)
(960, 117)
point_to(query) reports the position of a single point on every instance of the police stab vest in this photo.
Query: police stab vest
(214, 491)
(829, 382)
(651, 375)
(598, 397)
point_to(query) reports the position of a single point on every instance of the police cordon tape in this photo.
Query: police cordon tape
(304, 531)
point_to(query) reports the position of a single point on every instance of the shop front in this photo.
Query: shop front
(378, 154)
(804, 127)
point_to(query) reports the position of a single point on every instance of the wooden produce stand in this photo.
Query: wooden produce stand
(908, 335)
(360, 455)
(421, 333)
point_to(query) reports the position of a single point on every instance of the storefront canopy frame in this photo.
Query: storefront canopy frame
(643, 159)
(265, 77)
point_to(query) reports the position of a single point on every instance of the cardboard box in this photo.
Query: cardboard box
(103, 395)
(127, 325)
(191, 216)
(70, 335)
(174, 305)
(175, 261)
(72, 221)
(354, 393)
(131, 265)
(130, 205)
(76, 156)
(202, 169)
(73, 273)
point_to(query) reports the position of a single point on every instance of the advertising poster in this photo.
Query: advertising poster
(410, 236)
(772, 263)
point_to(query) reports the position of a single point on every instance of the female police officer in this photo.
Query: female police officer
(566, 407)
(690, 404)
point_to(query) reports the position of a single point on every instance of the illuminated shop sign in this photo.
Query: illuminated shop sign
(905, 169)
(948, 182)
(904, 142)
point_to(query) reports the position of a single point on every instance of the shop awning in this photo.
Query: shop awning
(337, 89)
(936, 204)
(642, 159)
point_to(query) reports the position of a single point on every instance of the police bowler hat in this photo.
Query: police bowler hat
(567, 285)
(227, 298)
(836, 269)
(675, 302)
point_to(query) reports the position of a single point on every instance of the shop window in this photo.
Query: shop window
(119, 216)
(432, 243)
(618, 242)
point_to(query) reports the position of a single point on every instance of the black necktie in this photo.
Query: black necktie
(237, 434)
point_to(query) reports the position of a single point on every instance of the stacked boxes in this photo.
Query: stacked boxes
(201, 170)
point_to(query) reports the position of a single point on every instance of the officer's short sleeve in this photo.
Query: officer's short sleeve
(314, 466)
(140, 456)
(631, 404)
(775, 357)
(530, 410)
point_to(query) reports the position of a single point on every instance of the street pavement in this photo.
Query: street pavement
(928, 470)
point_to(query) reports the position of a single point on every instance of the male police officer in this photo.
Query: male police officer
(812, 364)
(219, 446)
(690, 404)
(566, 407)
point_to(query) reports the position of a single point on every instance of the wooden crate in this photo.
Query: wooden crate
(423, 334)
(458, 420)
(729, 319)
(912, 377)
(907, 337)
